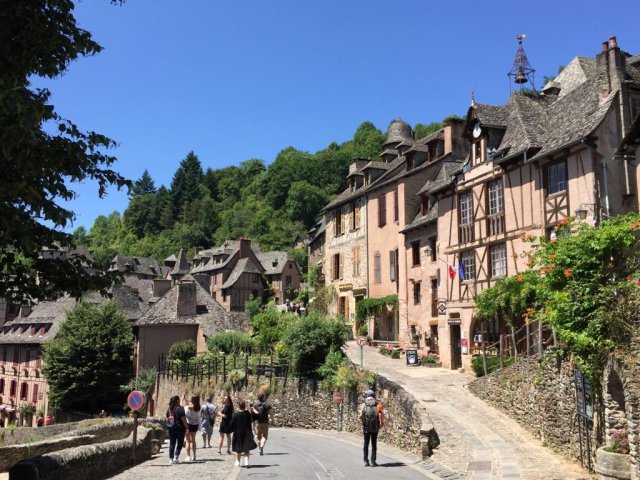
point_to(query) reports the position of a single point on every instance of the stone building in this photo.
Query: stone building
(532, 163)
(182, 311)
(140, 267)
(344, 253)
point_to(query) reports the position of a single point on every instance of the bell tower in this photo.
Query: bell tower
(521, 72)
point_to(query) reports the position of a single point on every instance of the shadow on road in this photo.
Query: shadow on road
(392, 464)
(277, 453)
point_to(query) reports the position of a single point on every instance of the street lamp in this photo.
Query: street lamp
(581, 212)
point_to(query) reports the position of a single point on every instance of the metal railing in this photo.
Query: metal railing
(531, 338)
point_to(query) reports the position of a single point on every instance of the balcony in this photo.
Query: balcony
(495, 224)
(467, 233)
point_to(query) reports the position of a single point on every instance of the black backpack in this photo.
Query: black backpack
(370, 420)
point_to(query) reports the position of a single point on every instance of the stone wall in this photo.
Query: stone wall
(86, 462)
(296, 405)
(538, 392)
(66, 436)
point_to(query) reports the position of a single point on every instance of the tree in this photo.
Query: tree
(183, 350)
(421, 130)
(305, 201)
(41, 153)
(184, 186)
(143, 186)
(90, 357)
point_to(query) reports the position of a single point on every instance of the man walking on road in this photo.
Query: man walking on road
(262, 412)
(371, 424)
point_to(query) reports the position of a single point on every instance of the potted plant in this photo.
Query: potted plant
(430, 360)
(612, 460)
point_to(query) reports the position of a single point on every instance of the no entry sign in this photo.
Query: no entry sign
(136, 400)
(361, 341)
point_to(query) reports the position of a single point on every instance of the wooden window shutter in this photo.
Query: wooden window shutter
(382, 211)
(342, 219)
(341, 266)
(396, 211)
(392, 265)
(333, 268)
(356, 217)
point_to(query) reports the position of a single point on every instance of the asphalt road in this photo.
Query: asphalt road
(297, 454)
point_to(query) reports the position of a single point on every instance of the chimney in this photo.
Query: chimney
(616, 65)
(160, 287)
(186, 302)
(602, 72)
(605, 46)
(245, 247)
(613, 42)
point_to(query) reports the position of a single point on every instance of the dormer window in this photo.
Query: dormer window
(410, 164)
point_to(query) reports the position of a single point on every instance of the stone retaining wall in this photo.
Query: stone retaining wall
(538, 392)
(297, 407)
(86, 462)
(75, 434)
(29, 434)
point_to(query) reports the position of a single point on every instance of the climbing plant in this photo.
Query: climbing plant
(372, 306)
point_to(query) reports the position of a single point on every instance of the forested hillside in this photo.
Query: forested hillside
(272, 205)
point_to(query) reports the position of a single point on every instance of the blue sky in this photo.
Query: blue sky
(234, 80)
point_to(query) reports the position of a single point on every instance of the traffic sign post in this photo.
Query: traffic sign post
(362, 341)
(136, 401)
(338, 398)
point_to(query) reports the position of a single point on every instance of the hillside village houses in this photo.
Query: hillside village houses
(445, 217)
(177, 300)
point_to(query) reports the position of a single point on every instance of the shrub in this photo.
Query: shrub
(183, 350)
(269, 326)
(428, 359)
(331, 363)
(395, 353)
(493, 364)
(230, 342)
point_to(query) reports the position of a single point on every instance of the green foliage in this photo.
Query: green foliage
(421, 130)
(323, 297)
(493, 364)
(305, 201)
(143, 186)
(43, 154)
(269, 326)
(183, 350)
(309, 339)
(253, 306)
(143, 381)
(90, 357)
(231, 342)
(332, 362)
(373, 306)
(428, 360)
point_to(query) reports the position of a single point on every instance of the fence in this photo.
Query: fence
(530, 338)
(237, 369)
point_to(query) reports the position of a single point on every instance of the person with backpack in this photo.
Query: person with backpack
(177, 426)
(372, 422)
(207, 419)
(262, 412)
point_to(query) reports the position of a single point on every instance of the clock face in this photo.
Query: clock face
(476, 130)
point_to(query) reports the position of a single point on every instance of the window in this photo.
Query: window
(339, 225)
(355, 216)
(466, 217)
(393, 265)
(377, 268)
(468, 260)
(433, 245)
(356, 261)
(396, 213)
(556, 178)
(434, 298)
(1, 386)
(13, 388)
(415, 253)
(416, 293)
(495, 220)
(24, 390)
(287, 281)
(336, 265)
(343, 307)
(498, 260)
(382, 211)
(424, 205)
(34, 397)
(16, 354)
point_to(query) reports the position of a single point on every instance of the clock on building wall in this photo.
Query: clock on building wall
(477, 130)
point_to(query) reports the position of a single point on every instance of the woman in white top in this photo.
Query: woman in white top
(192, 412)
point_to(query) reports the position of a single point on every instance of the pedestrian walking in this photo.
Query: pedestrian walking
(207, 419)
(243, 441)
(225, 423)
(262, 412)
(372, 422)
(192, 412)
(177, 426)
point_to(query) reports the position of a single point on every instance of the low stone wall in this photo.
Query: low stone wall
(86, 462)
(74, 435)
(538, 392)
(297, 406)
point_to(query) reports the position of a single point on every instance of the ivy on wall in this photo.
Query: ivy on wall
(373, 306)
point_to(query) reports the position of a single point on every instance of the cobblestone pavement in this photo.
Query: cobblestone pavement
(209, 465)
(477, 441)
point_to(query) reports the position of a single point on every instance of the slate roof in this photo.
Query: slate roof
(318, 230)
(398, 131)
(491, 115)
(244, 265)
(268, 259)
(444, 177)
(182, 265)
(141, 265)
(210, 316)
(134, 296)
(422, 220)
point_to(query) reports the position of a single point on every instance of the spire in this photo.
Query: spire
(473, 99)
(521, 72)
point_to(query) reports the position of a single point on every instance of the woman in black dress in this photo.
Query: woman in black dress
(243, 441)
(225, 423)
